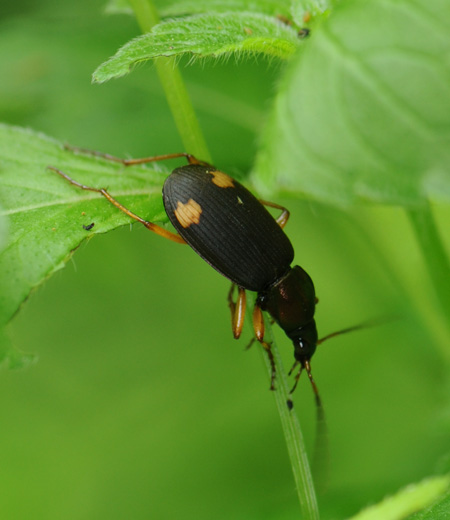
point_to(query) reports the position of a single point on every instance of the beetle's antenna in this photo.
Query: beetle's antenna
(343, 331)
(321, 457)
(320, 411)
(321, 448)
(305, 365)
(364, 325)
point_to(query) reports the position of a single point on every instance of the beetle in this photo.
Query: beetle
(233, 231)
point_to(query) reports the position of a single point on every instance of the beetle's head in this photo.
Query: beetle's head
(305, 342)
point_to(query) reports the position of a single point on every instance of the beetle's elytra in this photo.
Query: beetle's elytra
(234, 232)
(230, 228)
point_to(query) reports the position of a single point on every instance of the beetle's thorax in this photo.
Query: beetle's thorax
(291, 301)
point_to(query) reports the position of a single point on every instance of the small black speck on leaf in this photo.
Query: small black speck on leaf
(304, 33)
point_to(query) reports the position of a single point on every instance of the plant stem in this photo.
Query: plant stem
(194, 143)
(434, 254)
(174, 88)
(294, 438)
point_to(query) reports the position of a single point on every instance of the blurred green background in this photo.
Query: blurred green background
(142, 405)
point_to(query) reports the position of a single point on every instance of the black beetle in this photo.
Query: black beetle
(233, 231)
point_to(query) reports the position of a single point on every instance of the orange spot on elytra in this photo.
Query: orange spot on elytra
(221, 179)
(188, 213)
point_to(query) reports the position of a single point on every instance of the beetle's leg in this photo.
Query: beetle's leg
(258, 326)
(297, 377)
(149, 225)
(250, 343)
(293, 367)
(237, 310)
(272, 321)
(283, 218)
(129, 162)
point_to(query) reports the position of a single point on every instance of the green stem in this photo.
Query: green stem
(194, 143)
(433, 252)
(294, 438)
(174, 88)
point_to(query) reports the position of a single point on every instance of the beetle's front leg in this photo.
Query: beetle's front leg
(165, 233)
(258, 327)
(237, 310)
(142, 160)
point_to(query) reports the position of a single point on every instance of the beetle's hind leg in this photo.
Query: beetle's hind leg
(237, 309)
(283, 217)
(149, 225)
(258, 327)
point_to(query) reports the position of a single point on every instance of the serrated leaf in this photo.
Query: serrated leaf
(409, 500)
(364, 112)
(46, 214)
(209, 35)
(293, 10)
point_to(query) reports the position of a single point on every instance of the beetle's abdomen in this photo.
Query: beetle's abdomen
(227, 226)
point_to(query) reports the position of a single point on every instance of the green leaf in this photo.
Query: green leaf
(177, 7)
(310, 9)
(409, 500)
(437, 511)
(290, 9)
(183, 7)
(364, 111)
(46, 214)
(209, 35)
